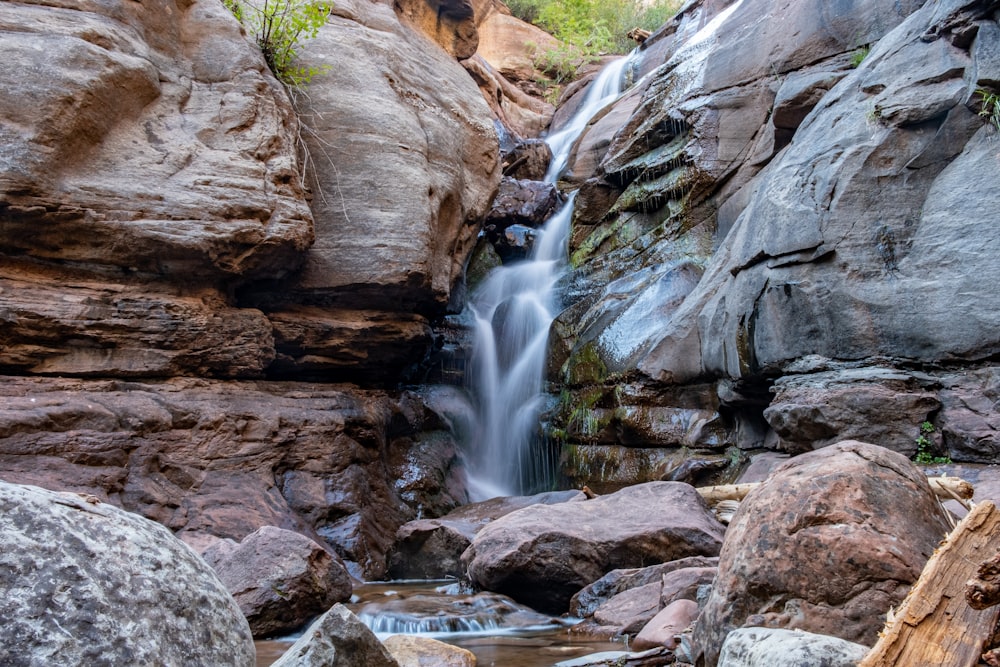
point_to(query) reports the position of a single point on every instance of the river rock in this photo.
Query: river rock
(830, 541)
(522, 202)
(410, 651)
(631, 610)
(627, 612)
(685, 583)
(87, 583)
(775, 647)
(525, 554)
(280, 579)
(337, 639)
(663, 629)
(593, 595)
(432, 548)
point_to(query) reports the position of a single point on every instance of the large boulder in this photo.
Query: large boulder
(773, 647)
(87, 583)
(827, 544)
(279, 578)
(544, 554)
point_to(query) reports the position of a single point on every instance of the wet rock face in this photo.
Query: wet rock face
(775, 195)
(830, 541)
(542, 555)
(224, 459)
(86, 583)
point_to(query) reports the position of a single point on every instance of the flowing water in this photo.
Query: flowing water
(512, 313)
(496, 629)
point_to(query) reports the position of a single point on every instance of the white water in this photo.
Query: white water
(604, 89)
(513, 311)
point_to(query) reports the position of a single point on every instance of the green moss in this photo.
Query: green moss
(585, 366)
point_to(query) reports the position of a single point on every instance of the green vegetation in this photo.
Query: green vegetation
(859, 55)
(278, 27)
(991, 107)
(589, 28)
(925, 445)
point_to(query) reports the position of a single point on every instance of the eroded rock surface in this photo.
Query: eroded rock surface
(829, 542)
(279, 578)
(224, 459)
(775, 201)
(542, 555)
(87, 583)
(156, 141)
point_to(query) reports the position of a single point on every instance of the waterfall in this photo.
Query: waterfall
(512, 312)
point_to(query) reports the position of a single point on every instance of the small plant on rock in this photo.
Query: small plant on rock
(991, 107)
(924, 454)
(859, 56)
(278, 27)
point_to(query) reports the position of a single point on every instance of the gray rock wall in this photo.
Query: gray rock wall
(784, 202)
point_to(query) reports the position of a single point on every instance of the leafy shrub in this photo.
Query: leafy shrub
(595, 26)
(925, 445)
(278, 26)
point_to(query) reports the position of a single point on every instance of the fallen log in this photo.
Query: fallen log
(947, 488)
(984, 590)
(934, 625)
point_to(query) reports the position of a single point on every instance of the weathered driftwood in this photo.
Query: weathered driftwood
(983, 590)
(948, 488)
(935, 625)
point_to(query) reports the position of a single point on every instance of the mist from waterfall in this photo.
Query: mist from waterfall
(513, 310)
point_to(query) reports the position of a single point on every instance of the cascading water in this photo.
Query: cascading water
(513, 311)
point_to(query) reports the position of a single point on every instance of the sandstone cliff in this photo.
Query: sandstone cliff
(163, 253)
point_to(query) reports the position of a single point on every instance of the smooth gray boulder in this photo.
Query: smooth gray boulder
(86, 583)
(337, 639)
(775, 647)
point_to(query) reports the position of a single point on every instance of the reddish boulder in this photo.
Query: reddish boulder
(542, 555)
(280, 579)
(432, 548)
(663, 629)
(828, 544)
(594, 595)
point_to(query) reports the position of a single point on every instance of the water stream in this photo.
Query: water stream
(512, 313)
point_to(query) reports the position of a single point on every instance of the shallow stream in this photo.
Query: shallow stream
(498, 631)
